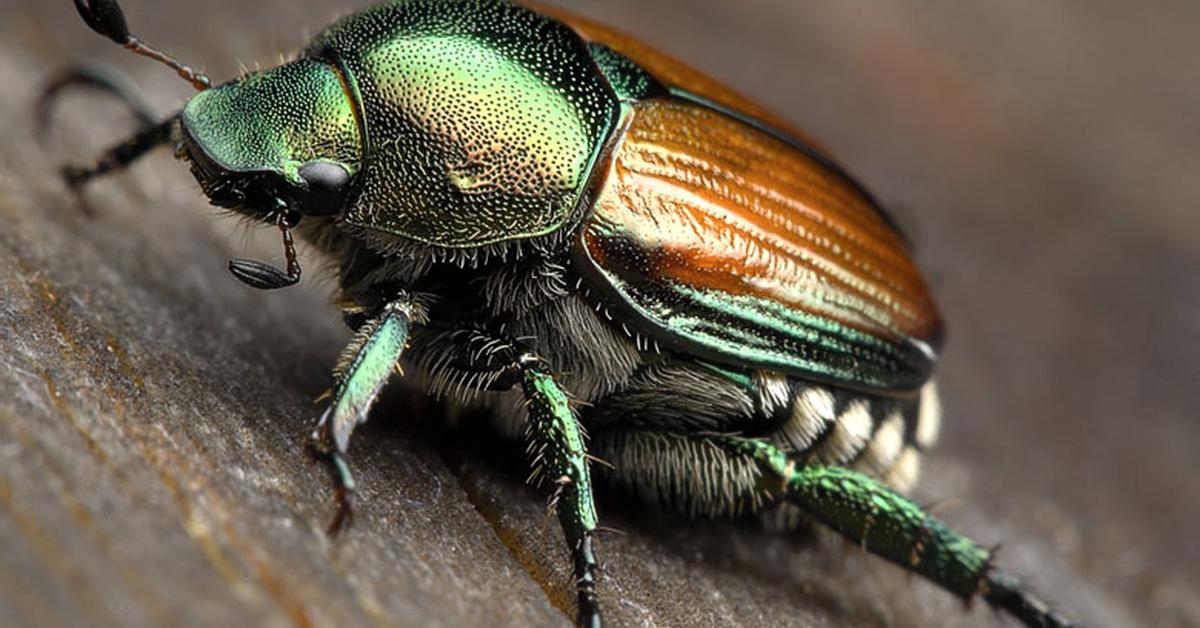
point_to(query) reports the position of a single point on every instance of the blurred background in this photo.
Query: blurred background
(1042, 155)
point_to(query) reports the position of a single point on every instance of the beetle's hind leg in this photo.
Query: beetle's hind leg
(720, 475)
(890, 525)
(151, 133)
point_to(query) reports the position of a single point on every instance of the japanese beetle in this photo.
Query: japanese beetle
(522, 202)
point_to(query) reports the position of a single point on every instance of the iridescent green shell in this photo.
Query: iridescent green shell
(276, 121)
(483, 119)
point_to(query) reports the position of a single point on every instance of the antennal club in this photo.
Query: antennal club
(264, 276)
(106, 18)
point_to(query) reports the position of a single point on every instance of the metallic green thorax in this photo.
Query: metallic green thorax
(483, 119)
(629, 80)
(276, 121)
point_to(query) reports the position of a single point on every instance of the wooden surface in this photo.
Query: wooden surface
(1043, 156)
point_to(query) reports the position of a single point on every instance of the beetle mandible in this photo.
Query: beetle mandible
(522, 202)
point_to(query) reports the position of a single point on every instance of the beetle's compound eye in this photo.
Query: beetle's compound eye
(327, 184)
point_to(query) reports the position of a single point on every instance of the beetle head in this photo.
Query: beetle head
(287, 137)
(274, 145)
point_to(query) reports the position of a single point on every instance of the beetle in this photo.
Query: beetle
(522, 202)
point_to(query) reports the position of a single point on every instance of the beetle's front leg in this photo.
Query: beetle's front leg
(362, 371)
(152, 133)
(559, 454)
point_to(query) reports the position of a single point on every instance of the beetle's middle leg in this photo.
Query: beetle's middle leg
(560, 456)
(472, 359)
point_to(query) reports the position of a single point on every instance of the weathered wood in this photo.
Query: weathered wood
(152, 409)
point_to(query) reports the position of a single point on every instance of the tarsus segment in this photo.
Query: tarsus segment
(890, 525)
(1004, 591)
(560, 456)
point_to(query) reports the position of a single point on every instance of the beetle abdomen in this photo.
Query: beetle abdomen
(880, 437)
(722, 241)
